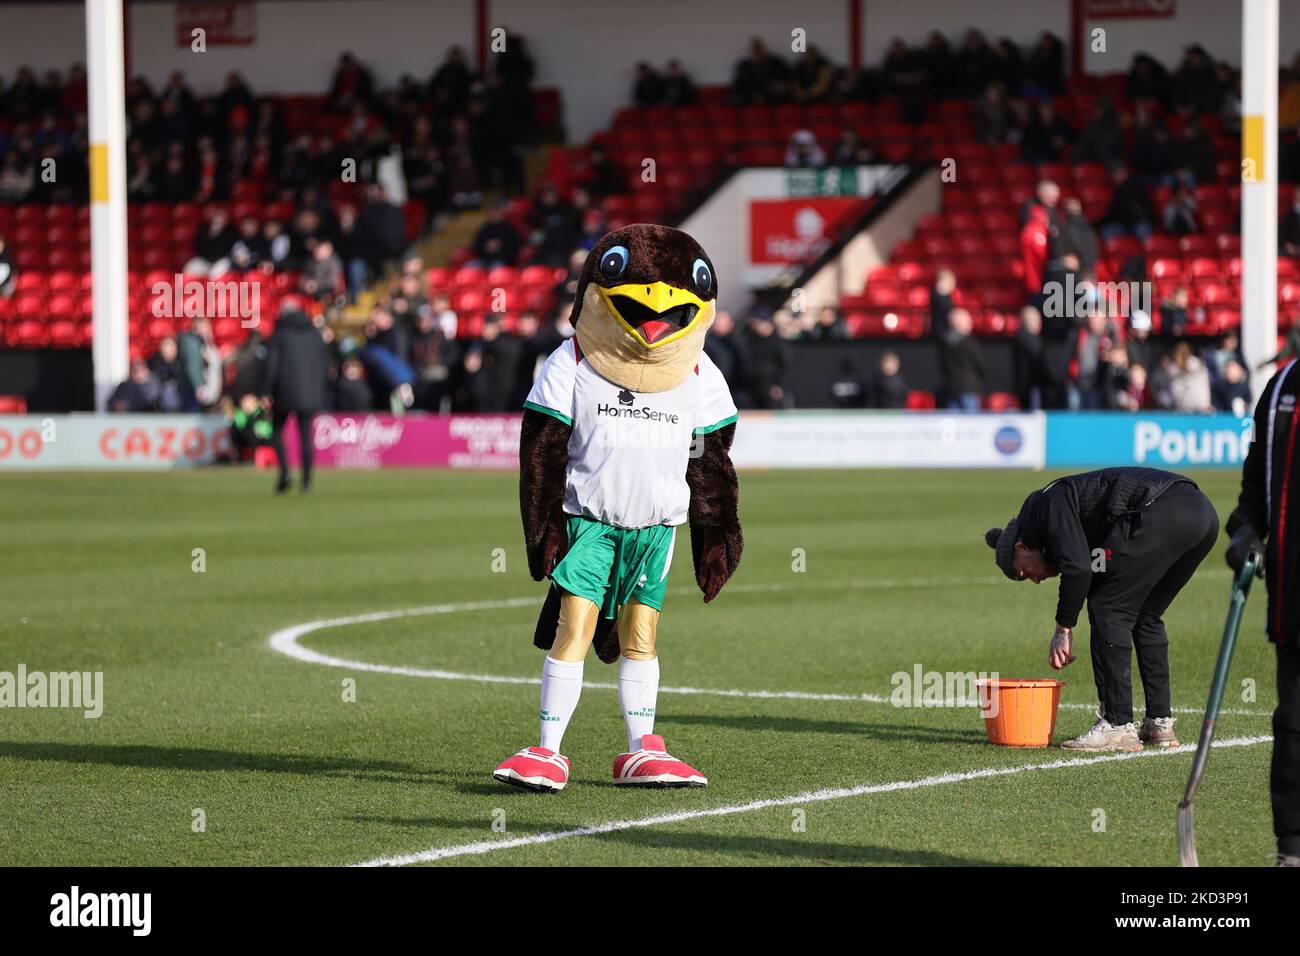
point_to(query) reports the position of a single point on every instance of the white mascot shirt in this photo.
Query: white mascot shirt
(629, 450)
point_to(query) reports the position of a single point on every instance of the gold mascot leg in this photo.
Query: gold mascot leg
(576, 628)
(637, 624)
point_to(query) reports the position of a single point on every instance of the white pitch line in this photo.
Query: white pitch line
(482, 847)
(285, 641)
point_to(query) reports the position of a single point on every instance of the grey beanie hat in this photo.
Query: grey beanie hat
(1003, 542)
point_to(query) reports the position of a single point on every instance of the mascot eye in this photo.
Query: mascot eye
(702, 275)
(614, 262)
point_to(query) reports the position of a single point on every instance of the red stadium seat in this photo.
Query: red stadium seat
(228, 330)
(501, 276)
(61, 214)
(540, 276)
(1166, 269)
(63, 307)
(882, 323)
(938, 247)
(992, 196)
(917, 297)
(469, 276)
(881, 296)
(1216, 293)
(469, 300)
(64, 334)
(29, 307)
(1001, 402)
(35, 282)
(1224, 318)
(29, 334)
(155, 212)
(156, 329)
(1205, 268)
(1161, 247)
(1122, 246)
(1198, 246)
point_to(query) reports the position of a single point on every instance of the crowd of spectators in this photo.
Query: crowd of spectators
(1012, 92)
(553, 231)
(1124, 348)
(462, 135)
(460, 132)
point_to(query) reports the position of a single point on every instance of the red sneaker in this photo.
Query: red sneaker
(535, 768)
(653, 766)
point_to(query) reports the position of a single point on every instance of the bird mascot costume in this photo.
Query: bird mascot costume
(626, 435)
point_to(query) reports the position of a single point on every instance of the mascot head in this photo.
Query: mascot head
(646, 297)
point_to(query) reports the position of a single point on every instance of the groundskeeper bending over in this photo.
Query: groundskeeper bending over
(1126, 541)
(1268, 509)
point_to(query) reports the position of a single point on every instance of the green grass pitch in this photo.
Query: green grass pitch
(200, 713)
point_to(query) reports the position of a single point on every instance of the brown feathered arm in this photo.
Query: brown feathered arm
(543, 459)
(716, 539)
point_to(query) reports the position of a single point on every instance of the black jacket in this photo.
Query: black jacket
(297, 365)
(1071, 516)
(961, 363)
(1270, 500)
(1031, 367)
(769, 358)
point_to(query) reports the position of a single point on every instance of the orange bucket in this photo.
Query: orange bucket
(1019, 713)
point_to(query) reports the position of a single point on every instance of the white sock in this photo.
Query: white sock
(561, 687)
(638, 687)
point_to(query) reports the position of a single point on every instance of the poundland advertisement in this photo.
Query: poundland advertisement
(1096, 439)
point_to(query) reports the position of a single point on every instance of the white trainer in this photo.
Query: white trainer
(1158, 732)
(1106, 737)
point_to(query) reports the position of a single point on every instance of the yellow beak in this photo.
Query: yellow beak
(655, 314)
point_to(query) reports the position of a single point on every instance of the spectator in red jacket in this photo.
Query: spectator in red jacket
(1033, 252)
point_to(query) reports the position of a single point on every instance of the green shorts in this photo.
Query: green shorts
(610, 566)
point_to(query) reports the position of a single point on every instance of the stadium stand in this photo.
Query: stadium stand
(1003, 115)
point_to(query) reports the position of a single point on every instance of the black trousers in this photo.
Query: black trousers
(1151, 555)
(1284, 777)
(279, 418)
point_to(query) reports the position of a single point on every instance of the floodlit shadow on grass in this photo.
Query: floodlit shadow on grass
(149, 757)
(909, 733)
(479, 828)
(489, 788)
(794, 849)
(799, 725)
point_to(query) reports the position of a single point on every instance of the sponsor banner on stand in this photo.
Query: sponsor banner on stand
(112, 441)
(368, 442)
(786, 439)
(1097, 439)
(888, 440)
(782, 231)
(223, 22)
